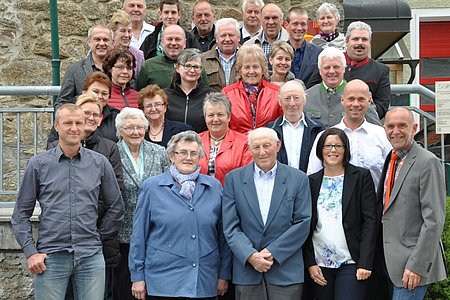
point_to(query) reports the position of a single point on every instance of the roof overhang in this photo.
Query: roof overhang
(389, 20)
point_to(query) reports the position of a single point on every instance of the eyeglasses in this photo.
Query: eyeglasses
(88, 114)
(133, 128)
(338, 147)
(156, 105)
(185, 154)
(188, 67)
(123, 67)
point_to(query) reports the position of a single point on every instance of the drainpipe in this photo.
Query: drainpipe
(56, 63)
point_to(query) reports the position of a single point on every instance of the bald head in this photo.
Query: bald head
(173, 41)
(400, 127)
(355, 100)
(272, 18)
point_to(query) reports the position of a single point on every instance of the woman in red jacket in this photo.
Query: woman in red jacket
(254, 100)
(225, 148)
(119, 66)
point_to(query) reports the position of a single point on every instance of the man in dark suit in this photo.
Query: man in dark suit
(304, 64)
(266, 213)
(99, 40)
(295, 130)
(361, 66)
(413, 206)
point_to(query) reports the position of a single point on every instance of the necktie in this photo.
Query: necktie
(390, 178)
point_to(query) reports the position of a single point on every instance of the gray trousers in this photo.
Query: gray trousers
(265, 291)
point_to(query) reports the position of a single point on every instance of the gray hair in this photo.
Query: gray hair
(328, 8)
(262, 131)
(332, 53)
(227, 21)
(188, 55)
(299, 84)
(217, 98)
(258, 3)
(185, 136)
(358, 25)
(129, 113)
(111, 33)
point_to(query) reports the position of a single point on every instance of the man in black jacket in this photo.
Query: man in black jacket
(295, 130)
(169, 14)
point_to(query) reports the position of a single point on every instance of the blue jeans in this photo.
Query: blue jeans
(400, 293)
(88, 277)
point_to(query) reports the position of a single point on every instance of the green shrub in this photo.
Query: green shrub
(441, 290)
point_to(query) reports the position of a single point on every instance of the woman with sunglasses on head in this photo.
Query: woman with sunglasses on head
(339, 251)
(187, 91)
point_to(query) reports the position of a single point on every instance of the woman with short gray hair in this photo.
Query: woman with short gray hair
(178, 248)
(140, 160)
(328, 18)
(187, 91)
(225, 148)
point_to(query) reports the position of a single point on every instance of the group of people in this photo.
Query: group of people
(241, 162)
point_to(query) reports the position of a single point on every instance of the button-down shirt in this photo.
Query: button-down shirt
(369, 148)
(264, 182)
(298, 59)
(266, 46)
(292, 138)
(227, 64)
(136, 41)
(68, 191)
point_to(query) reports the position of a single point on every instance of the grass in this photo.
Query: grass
(441, 290)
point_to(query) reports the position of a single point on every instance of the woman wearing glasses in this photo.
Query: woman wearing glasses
(177, 248)
(119, 65)
(187, 91)
(339, 251)
(140, 160)
(154, 102)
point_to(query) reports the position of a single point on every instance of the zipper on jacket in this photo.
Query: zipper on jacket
(124, 98)
(186, 109)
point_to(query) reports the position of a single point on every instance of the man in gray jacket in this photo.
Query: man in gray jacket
(99, 41)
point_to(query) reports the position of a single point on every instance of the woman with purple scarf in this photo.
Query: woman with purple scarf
(177, 247)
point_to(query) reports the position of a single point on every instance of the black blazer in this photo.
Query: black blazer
(170, 128)
(359, 215)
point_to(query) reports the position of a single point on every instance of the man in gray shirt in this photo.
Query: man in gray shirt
(68, 181)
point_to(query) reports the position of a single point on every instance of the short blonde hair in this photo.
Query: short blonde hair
(281, 45)
(254, 51)
(89, 97)
(120, 17)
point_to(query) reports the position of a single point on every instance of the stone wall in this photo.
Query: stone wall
(25, 59)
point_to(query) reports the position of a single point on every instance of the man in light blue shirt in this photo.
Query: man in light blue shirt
(266, 214)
